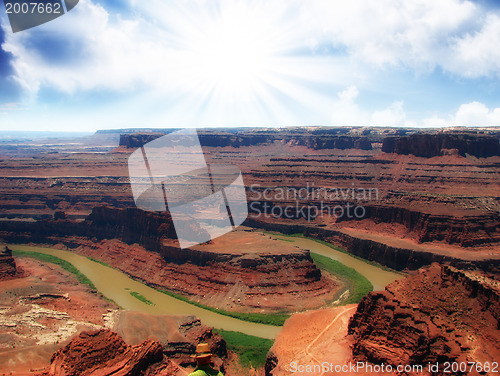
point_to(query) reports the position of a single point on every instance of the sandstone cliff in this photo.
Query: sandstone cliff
(398, 258)
(466, 231)
(318, 142)
(103, 352)
(440, 314)
(242, 271)
(432, 145)
(312, 140)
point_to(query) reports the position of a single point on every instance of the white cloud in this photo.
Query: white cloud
(477, 54)
(392, 116)
(149, 55)
(468, 114)
(435, 122)
(456, 35)
(346, 111)
(116, 55)
(151, 50)
(477, 114)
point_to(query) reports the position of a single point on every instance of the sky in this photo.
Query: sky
(261, 63)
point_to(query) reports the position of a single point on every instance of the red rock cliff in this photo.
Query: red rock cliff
(440, 314)
(103, 352)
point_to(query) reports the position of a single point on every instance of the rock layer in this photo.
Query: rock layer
(432, 145)
(440, 314)
(241, 270)
(178, 335)
(269, 282)
(103, 352)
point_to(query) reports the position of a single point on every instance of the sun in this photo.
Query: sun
(241, 63)
(234, 50)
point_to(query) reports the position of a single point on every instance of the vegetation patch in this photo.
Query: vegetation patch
(337, 248)
(82, 278)
(142, 298)
(359, 286)
(251, 350)
(275, 319)
(100, 262)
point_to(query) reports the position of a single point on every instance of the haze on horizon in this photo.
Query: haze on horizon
(230, 63)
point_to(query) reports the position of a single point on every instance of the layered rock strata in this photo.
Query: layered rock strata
(241, 270)
(438, 144)
(399, 257)
(178, 335)
(441, 314)
(103, 352)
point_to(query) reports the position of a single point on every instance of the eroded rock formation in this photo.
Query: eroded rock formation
(433, 145)
(249, 137)
(440, 314)
(103, 352)
(241, 270)
(178, 335)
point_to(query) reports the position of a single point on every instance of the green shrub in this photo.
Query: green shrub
(251, 350)
(140, 297)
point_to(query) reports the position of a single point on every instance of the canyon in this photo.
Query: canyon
(402, 198)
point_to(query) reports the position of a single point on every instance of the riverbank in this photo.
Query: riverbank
(378, 275)
(164, 302)
(115, 285)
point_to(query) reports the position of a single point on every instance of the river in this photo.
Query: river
(378, 277)
(117, 286)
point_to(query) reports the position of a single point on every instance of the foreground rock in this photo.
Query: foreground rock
(178, 335)
(41, 310)
(438, 144)
(138, 344)
(442, 314)
(103, 352)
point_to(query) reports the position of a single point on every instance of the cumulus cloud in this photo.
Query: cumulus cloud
(458, 36)
(121, 53)
(468, 114)
(394, 115)
(147, 53)
(113, 54)
(346, 111)
(476, 54)
(477, 114)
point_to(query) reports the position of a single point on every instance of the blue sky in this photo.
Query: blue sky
(209, 63)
